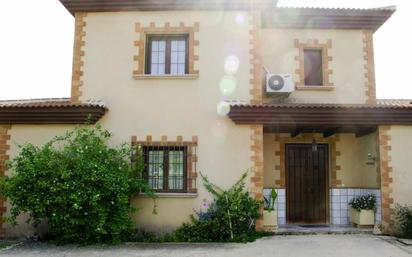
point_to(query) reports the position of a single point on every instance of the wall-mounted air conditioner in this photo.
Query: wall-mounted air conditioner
(279, 83)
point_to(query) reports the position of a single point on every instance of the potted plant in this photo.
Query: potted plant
(270, 216)
(362, 211)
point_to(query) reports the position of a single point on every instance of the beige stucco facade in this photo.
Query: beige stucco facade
(177, 107)
(346, 64)
(166, 108)
(401, 156)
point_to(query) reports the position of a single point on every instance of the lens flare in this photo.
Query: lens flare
(231, 64)
(240, 18)
(228, 85)
(223, 108)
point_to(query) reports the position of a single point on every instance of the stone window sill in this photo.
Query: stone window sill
(148, 76)
(171, 195)
(316, 88)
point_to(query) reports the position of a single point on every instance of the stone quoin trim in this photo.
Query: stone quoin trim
(256, 179)
(4, 148)
(255, 57)
(78, 54)
(335, 168)
(279, 183)
(370, 86)
(256, 97)
(183, 28)
(326, 60)
(191, 159)
(386, 170)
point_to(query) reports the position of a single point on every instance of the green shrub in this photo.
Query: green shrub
(79, 184)
(230, 217)
(403, 221)
(363, 202)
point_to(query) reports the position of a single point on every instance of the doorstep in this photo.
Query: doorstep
(404, 241)
(320, 230)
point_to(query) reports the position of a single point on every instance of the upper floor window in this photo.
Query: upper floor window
(313, 67)
(167, 55)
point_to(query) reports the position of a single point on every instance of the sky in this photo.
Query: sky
(36, 47)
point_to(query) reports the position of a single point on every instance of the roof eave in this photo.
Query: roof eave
(320, 115)
(52, 115)
(74, 6)
(322, 18)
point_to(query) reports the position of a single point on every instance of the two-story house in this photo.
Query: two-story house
(186, 79)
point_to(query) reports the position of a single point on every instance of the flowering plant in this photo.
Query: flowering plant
(207, 211)
(363, 202)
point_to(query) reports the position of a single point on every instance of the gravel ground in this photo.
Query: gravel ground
(279, 246)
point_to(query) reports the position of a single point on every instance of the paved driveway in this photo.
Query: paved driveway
(277, 246)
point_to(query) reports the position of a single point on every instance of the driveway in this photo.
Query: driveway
(276, 246)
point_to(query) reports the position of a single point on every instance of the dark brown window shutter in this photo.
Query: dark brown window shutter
(313, 67)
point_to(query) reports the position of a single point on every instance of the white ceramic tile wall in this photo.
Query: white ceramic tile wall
(280, 204)
(339, 203)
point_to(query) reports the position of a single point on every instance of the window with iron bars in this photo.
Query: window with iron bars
(170, 169)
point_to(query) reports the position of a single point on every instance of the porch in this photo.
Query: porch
(316, 177)
(320, 156)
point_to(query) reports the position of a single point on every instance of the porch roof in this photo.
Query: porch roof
(324, 118)
(50, 111)
(327, 18)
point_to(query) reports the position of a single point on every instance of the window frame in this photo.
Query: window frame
(168, 54)
(322, 66)
(166, 150)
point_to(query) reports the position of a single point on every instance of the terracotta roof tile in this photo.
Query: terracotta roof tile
(406, 103)
(381, 104)
(49, 102)
(391, 8)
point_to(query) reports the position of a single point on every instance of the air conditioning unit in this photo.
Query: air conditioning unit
(279, 84)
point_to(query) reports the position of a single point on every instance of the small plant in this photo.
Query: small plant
(229, 218)
(403, 221)
(269, 204)
(207, 211)
(363, 202)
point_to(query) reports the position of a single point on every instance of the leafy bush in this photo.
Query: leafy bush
(363, 202)
(403, 221)
(79, 184)
(230, 217)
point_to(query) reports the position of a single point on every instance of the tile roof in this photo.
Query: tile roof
(381, 104)
(385, 112)
(49, 102)
(51, 111)
(327, 18)
(403, 103)
(391, 8)
(74, 6)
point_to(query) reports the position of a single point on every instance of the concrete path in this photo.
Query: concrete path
(276, 246)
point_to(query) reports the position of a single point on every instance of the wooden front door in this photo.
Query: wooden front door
(306, 183)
